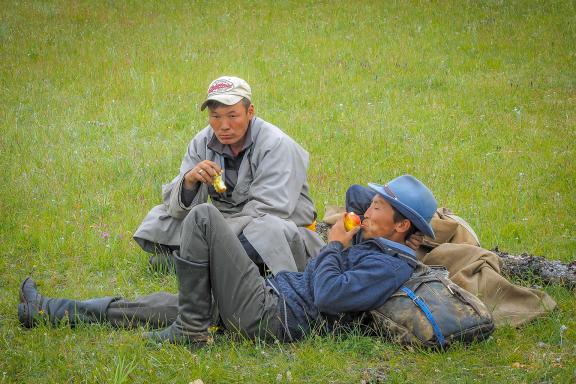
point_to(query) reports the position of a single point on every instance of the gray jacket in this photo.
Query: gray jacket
(270, 203)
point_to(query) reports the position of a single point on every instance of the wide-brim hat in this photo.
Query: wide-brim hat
(412, 199)
(227, 90)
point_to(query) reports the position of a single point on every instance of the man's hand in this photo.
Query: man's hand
(203, 172)
(415, 241)
(339, 233)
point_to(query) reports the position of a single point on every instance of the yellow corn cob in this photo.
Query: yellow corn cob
(218, 183)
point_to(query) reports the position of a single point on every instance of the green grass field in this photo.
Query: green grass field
(98, 100)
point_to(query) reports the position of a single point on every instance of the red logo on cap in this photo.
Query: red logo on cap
(220, 86)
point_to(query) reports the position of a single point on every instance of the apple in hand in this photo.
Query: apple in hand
(351, 221)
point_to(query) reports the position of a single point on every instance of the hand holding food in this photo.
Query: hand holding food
(344, 229)
(203, 172)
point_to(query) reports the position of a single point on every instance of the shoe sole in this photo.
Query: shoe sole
(24, 316)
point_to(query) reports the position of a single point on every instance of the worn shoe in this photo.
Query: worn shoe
(33, 306)
(194, 306)
(30, 303)
(162, 263)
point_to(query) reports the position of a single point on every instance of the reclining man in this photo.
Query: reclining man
(266, 201)
(350, 274)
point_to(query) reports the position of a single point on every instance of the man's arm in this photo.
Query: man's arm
(172, 193)
(365, 286)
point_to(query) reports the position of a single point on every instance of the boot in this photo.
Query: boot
(162, 261)
(34, 307)
(194, 306)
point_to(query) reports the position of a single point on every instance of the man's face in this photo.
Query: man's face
(379, 221)
(230, 122)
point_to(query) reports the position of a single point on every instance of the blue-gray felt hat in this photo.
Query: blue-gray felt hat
(412, 199)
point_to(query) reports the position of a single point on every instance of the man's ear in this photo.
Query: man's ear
(403, 226)
(250, 111)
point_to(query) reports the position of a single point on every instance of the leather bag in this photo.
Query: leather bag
(429, 310)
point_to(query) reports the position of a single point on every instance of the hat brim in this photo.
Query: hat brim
(224, 99)
(419, 222)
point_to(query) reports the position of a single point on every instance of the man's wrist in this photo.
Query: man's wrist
(188, 182)
(336, 244)
(188, 186)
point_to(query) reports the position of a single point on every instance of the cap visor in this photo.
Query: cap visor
(224, 99)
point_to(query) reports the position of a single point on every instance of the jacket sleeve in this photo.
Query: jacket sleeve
(363, 287)
(172, 192)
(278, 180)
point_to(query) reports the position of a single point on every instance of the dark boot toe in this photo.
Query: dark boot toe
(29, 303)
(28, 291)
(162, 263)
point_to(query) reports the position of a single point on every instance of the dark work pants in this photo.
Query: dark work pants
(244, 302)
(358, 199)
(156, 311)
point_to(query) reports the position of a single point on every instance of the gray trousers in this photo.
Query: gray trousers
(155, 311)
(244, 302)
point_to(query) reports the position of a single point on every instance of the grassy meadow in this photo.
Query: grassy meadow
(99, 99)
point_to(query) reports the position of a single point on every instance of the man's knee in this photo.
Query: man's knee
(358, 198)
(201, 213)
(356, 191)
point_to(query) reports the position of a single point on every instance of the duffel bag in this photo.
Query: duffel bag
(431, 311)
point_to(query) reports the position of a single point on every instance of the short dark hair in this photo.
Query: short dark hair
(213, 104)
(398, 217)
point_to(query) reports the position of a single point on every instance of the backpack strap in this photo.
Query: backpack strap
(420, 269)
(422, 305)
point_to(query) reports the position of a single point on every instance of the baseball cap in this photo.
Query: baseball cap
(227, 90)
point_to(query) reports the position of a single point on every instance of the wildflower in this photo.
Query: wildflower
(563, 329)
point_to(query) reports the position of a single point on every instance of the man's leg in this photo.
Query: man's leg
(162, 259)
(246, 304)
(155, 311)
(219, 265)
(358, 199)
(34, 307)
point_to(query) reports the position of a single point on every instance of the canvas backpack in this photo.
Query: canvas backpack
(429, 310)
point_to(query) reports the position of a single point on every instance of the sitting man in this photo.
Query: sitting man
(266, 200)
(350, 274)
